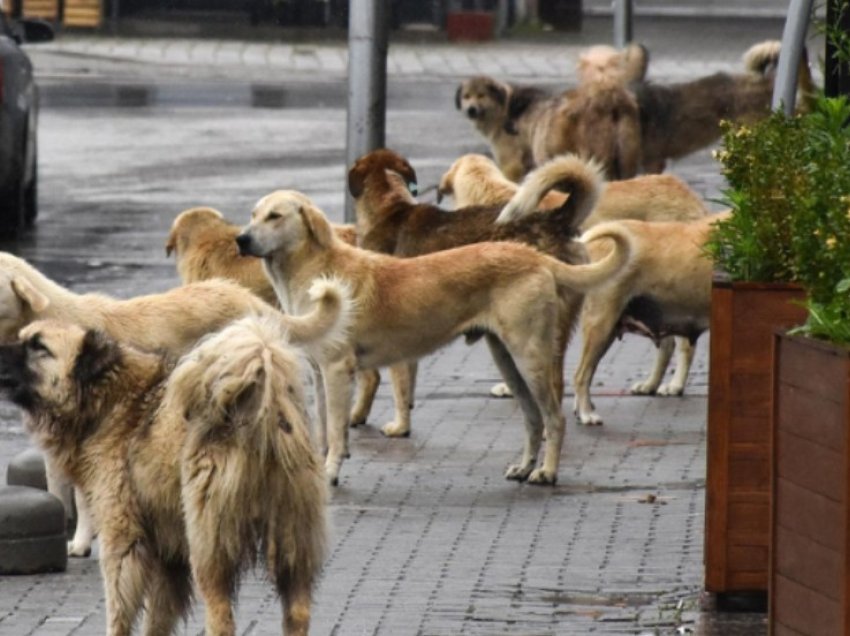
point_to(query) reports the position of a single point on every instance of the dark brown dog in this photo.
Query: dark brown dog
(391, 221)
(678, 119)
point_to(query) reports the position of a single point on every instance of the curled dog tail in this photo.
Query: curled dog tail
(330, 318)
(635, 62)
(250, 472)
(583, 278)
(581, 179)
(762, 58)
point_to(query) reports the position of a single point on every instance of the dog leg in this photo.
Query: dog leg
(533, 418)
(597, 335)
(367, 385)
(321, 426)
(168, 598)
(123, 569)
(501, 390)
(662, 359)
(338, 376)
(80, 545)
(403, 377)
(684, 358)
(216, 583)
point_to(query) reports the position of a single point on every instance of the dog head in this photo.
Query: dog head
(373, 170)
(469, 166)
(187, 225)
(282, 223)
(54, 366)
(483, 100)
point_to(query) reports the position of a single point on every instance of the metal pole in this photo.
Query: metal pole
(623, 22)
(793, 37)
(367, 81)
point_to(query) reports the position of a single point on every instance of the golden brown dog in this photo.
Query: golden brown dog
(664, 290)
(526, 126)
(391, 221)
(678, 119)
(171, 322)
(204, 245)
(409, 307)
(200, 470)
(476, 180)
(603, 63)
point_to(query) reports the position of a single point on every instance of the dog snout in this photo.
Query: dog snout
(243, 241)
(472, 112)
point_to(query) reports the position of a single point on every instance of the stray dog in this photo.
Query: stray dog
(678, 119)
(664, 290)
(474, 180)
(171, 322)
(409, 307)
(204, 246)
(603, 63)
(391, 221)
(190, 474)
(526, 126)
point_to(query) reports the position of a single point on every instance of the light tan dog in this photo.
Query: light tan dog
(664, 290)
(604, 63)
(476, 180)
(204, 246)
(172, 322)
(409, 307)
(198, 470)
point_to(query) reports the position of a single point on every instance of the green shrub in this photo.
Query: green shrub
(789, 191)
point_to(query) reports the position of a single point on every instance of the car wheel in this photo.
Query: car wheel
(30, 201)
(12, 208)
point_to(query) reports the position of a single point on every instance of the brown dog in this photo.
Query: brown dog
(526, 126)
(476, 180)
(204, 245)
(679, 119)
(391, 221)
(409, 307)
(199, 470)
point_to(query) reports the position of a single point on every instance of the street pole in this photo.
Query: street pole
(368, 27)
(793, 40)
(623, 19)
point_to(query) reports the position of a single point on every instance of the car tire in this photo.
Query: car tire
(12, 214)
(30, 203)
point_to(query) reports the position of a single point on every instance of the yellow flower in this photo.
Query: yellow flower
(831, 242)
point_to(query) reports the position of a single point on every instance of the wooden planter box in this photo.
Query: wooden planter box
(744, 317)
(810, 517)
(470, 26)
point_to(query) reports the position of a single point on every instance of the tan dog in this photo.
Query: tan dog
(664, 290)
(172, 322)
(678, 119)
(408, 307)
(203, 469)
(603, 63)
(204, 245)
(391, 221)
(526, 126)
(476, 180)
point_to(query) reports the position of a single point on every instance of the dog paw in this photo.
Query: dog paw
(501, 390)
(643, 388)
(671, 389)
(78, 551)
(542, 477)
(518, 472)
(391, 429)
(590, 419)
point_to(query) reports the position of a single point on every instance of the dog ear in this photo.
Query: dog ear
(29, 295)
(171, 244)
(356, 179)
(317, 225)
(98, 354)
(458, 93)
(498, 92)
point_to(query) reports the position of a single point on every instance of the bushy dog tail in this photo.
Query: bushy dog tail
(580, 179)
(762, 58)
(330, 318)
(251, 474)
(635, 62)
(583, 278)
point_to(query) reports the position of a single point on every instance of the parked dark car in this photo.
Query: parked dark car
(18, 119)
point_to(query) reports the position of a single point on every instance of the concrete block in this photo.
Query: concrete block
(27, 469)
(32, 532)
